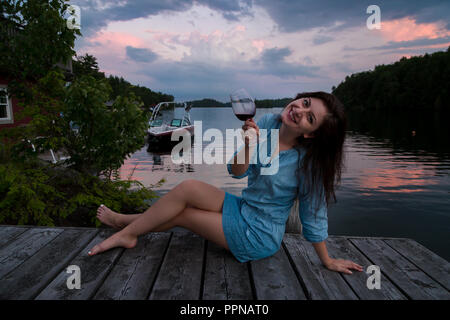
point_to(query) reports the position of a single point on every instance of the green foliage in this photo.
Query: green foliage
(76, 119)
(273, 103)
(119, 86)
(72, 117)
(420, 82)
(35, 194)
(149, 97)
(87, 65)
(33, 38)
(103, 136)
(31, 193)
(46, 128)
(208, 103)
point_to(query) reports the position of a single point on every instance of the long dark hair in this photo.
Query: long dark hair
(324, 157)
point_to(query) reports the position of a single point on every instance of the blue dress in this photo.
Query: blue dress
(254, 223)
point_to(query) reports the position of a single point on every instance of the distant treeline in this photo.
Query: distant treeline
(418, 82)
(148, 97)
(273, 103)
(266, 103)
(88, 65)
(208, 103)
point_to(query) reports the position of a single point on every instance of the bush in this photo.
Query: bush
(37, 194)
(105, 136)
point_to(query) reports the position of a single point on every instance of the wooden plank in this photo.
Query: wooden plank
(275, 279)
(364, 237)
(432, 264)
(93, 270)
(180, 275)
(319, 282)
(8, 233)
(136, 270)
(27, 280)
(225, 278)
(341, 248)
(23, 247)
(410, 279)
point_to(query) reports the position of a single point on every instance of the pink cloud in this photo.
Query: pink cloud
(441, 46)
(240, 28)
(117, 39)
(190, 38)
(407, 29)
(109, 48)
(259, 44)
(183, 38)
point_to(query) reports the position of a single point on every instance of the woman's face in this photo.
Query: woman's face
(304, 115)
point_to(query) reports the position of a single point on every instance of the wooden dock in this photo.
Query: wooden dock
(181, 265)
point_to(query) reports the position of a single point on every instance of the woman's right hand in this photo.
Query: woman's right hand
(251, 131)
(344, 266)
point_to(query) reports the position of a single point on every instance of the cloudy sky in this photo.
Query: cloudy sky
(272, 48)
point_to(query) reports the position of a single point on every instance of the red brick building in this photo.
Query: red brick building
(9, 105)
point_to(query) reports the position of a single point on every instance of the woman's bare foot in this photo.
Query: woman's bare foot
(109, 217)
(118, 239)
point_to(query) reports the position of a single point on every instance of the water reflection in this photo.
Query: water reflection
(149, 172)
(377, 168)
(157, 160)
(411, 131)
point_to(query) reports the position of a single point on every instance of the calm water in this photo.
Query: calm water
(395, 184)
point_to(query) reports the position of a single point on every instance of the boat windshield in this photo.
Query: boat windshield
(171, 114)
(156, 123)
(175, 123)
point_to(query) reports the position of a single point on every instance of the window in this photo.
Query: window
(175, 123)
(5, 106)
(156, 123)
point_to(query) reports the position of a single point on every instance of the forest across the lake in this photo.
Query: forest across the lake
(419, 82)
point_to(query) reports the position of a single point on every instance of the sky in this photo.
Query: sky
(272, 48)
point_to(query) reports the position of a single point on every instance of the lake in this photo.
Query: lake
(396, 180)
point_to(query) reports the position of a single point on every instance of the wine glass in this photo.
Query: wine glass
(244, 108)
(243, 104)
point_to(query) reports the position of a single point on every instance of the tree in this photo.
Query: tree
(103, 136)
(99, 138)
(150, 98)
(34, 37)
(87, 65)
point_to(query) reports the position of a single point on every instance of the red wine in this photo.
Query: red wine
(243, 105)
(244, 116)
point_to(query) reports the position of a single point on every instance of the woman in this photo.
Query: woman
(309, 153)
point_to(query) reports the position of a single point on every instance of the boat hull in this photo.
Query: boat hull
(162, 141)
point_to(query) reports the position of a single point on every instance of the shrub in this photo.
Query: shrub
(36, 194)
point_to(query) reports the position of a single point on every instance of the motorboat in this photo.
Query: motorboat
(167, 118)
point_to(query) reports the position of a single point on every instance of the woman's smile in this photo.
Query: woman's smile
(291, 116)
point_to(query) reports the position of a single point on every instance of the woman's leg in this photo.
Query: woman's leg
(192, 193)
(120, 221)
(207, 224)
(114, 219)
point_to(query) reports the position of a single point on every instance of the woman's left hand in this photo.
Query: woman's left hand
(342, 265)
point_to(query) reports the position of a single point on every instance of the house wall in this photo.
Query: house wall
(13, 122)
